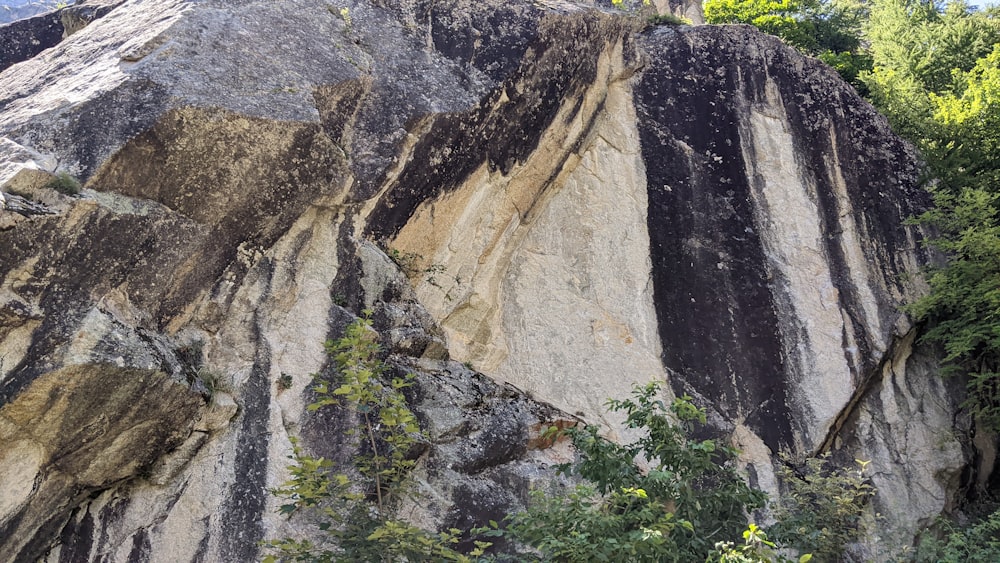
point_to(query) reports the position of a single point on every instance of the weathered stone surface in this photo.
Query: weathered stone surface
(748, 184)
(23, 39)
(566, 199)
(906, 425)
(77, 430)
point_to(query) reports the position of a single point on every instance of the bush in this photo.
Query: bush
(822, 510)
(690, 498)
(977, 542)
(355, 515)
(668, 19)
(64, 183)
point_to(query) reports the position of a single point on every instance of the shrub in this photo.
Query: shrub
(822, 510)
(354, 509)
(756, 548)
(690, 498)
(668, 19)
(64, 183)
(976, 541)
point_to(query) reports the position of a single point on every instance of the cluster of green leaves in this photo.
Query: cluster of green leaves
(923, 65)
(756, 548)
(963, 305)
(823, 507)
(827, 29)
(979, 541)
(354, 510)
(688, 499)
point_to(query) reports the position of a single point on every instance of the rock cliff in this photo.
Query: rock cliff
(563, 197)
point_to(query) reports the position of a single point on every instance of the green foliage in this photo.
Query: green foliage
(776, 17)
(689, 499)
(827, 29)
(64, 183)
(822, 510)
(937, 77)
(979, 541)
(284, 382)
(622, 4)
(915, 39)
(668, 19)
(623, 525)
(354, 510)
(962, 307)
(755, 549)
(923, 65)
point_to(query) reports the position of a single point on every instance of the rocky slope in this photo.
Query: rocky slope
(574, 202)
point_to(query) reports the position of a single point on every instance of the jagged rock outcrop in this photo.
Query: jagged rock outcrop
(575, 202)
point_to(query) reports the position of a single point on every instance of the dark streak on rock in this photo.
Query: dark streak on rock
(246, 499)
(141, 547)
(710, 275)
(701, 216)
(202, 551)
(77, 538)
(40, 542)
(561, 65)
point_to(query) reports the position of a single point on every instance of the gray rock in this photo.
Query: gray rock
(25, 38)
(586, 203)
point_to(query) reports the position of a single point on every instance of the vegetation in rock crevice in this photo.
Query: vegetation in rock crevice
(64, 183)
(354, 509)
(689, 499)
(685, 502)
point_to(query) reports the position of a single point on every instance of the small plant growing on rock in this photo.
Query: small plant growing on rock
(213, 382)
(822, 511)
(355, 508)
(668, 19)
(284, 382)
(412, 265)
(64, 183)
(344, 13)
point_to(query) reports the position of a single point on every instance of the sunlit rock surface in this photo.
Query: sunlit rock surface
(565, 199)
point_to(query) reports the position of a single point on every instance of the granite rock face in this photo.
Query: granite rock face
(558, 195)
(22, 39)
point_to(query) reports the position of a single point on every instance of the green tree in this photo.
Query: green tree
(936, 75)
(962, 309)
(827, 29)
(690, 498)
